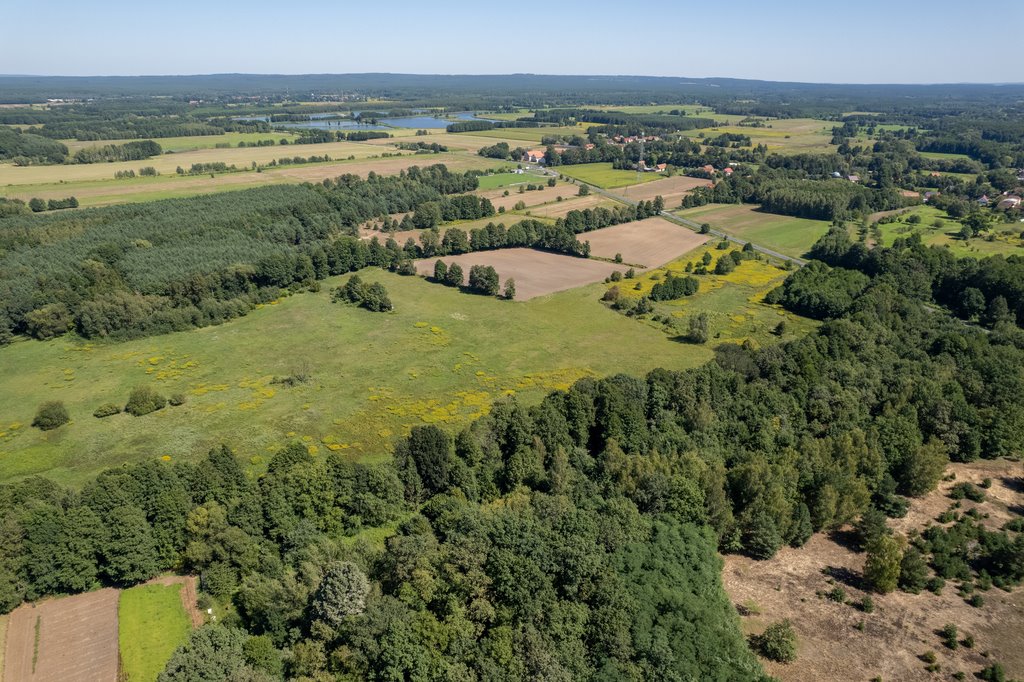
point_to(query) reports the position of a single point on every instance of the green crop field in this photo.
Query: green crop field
(937, 229)
(442, 357)
(151, 624)
(509, 179)
(603, 175)
(785, 234)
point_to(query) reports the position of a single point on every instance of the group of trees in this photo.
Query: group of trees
(789, 193)
(988, 290)
(37, 205)
(674, 287)
(27, 148)
(373, 296)
(129, 151)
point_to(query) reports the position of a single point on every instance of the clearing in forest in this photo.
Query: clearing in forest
(152, 623)
(902, 627)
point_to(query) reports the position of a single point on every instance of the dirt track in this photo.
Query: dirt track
(77, 640)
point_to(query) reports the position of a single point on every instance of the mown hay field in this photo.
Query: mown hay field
(785, 234)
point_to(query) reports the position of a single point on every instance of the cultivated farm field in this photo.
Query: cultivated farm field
(536, 273)
(69, 638)
(644, 243)
(672, 190)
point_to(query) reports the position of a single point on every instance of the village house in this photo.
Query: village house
(853, 178)
(534, 156)
(1011, 201)
(728, 171)
(709, 169)
(984, 200)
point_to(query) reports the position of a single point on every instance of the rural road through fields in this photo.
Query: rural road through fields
(690, 224)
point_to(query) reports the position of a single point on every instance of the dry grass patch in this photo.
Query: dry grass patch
(671, 189)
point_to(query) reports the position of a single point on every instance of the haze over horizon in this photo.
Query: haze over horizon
(874, 42)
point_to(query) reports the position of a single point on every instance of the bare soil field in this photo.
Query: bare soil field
(77, 639)
(671, 189)
(536, 272)
(534, 198)
(647, 243)
(902, 626)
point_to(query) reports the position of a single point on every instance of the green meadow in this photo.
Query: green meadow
(151, 624)
(937, 229)
(441, 357)
(785, 234)
(499, 180)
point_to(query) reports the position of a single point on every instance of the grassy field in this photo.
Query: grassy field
(603, 175)
(526, 136)
(1005, 239)
(190, 142)
(734, 302)
(791, 236)
(510, 179)
(110, 191)
(442, 357)
(944, 156)
(151, 625)
(796, 135)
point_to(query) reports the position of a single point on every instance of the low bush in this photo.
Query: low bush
(106, 410)
(144, 400)
(51, 415)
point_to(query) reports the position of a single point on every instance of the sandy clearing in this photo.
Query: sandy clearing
(77, 639)
(648, 243)
(903, 626)
(536, 272)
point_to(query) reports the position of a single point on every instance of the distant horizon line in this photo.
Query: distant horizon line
(513, 74)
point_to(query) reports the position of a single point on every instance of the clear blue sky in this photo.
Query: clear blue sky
(864, 41)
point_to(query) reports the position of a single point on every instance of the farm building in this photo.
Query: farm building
(534, 156)
(1012, 201)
